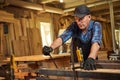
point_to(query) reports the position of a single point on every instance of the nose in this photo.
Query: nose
(79, 21)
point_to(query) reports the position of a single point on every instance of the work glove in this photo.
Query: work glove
(46, 50)
(89, 64)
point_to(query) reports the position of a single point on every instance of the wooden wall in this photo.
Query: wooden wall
(107, 36)
(23, 37)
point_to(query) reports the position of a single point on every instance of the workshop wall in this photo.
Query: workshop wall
(23, 37)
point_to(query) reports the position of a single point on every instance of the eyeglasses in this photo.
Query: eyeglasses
(79, 19)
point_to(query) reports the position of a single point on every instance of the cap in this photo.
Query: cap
(81, 11)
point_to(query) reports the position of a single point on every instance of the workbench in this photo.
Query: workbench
(29, 64)
(106, 70)
(46, 67)
(103, 74)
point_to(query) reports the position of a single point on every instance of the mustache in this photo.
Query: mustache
(81, 24)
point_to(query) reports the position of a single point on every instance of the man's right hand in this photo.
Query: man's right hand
(46, 50)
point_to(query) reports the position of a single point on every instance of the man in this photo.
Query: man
(85, 33)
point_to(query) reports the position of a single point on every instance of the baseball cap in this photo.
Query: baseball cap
(81, 11)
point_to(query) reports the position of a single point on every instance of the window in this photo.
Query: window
(117, 37)
(46, 33)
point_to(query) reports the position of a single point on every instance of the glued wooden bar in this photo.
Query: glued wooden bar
(39, 57)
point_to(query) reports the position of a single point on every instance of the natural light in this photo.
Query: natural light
(45, 33)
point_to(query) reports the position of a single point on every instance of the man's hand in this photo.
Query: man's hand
(89, 64)
(46, 50)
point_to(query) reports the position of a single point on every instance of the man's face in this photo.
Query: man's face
(83, 23)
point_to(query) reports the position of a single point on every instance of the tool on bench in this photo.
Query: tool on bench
(53, 61)
(12, 66)
(73, 67)
(80, 56)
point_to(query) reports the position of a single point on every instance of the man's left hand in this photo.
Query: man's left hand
(89, 64)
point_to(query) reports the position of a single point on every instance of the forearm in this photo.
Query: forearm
(56, 43)
(94, 50)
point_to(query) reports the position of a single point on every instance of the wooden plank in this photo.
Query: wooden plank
(31, 23)
(62, 62)
(27, 23)
(11, 31)
(4, 13)
(77, 3)
(21, 75)
(107, 64)
(102, 55)
(23, 26)
(38, 57)
(17, 28)
(18, 48)
(5, 19)
(2, 45)
(100, 19)
(37, 22)
(23, 38)
(29, 33)
(102, 74)
(26, 48)
(1, 38)
(112, 21)
(36, 41)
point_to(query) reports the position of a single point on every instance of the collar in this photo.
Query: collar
(90, 25)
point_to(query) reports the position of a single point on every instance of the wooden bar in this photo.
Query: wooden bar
(102, 74)
(107, 64)
(17, 27)
(112, 24)
(39, 57)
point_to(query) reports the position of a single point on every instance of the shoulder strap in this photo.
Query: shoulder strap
(94, 23)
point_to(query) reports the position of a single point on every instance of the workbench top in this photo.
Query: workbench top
(39, 57)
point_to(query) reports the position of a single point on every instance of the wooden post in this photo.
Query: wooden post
(112, 24)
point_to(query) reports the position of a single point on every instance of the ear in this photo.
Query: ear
(89, 16)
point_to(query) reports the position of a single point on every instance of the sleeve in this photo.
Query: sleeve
(67, 33)
(97, 33)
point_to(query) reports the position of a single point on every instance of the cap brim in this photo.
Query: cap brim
(79, 15)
